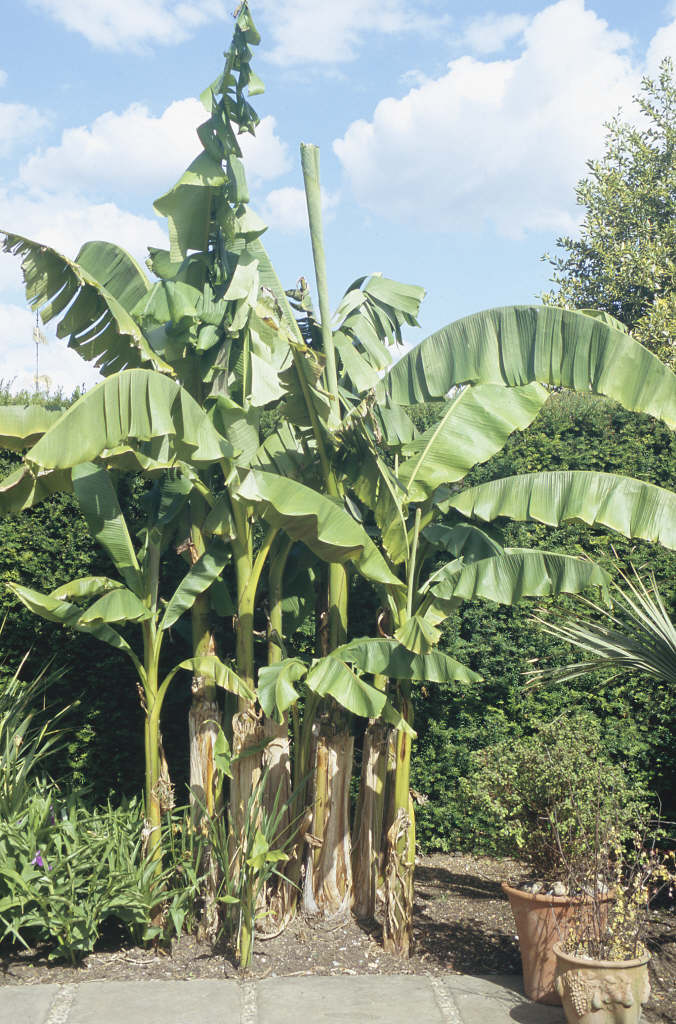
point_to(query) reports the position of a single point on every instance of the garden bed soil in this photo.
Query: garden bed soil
(462, 924)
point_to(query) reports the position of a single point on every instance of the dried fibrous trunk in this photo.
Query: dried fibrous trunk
(367, 840)
(399, 867)
(328, 868)
(280, 895)
(203, 724)
(165, 789)
(204, 717)
(247, 735)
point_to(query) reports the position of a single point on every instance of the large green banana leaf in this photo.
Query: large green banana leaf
(286, 452)
(333, 677)
(418, 634)
(327, 677)
(98, 503)
(115, 270)
(276, 691)
(23, 489)
(513, 575)
(379, 656)
(370, 317)
(474, 427)
(634, 508)
(320, 522)
(462, 540)
(85, 588)
(199, 578)
(515, 345)
(211, 667)
(97, 324)
(187, 206)
(66, 614)
(136, 405)
(22, 425)
(117, 606)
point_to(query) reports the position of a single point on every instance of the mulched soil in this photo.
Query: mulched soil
(462, 925)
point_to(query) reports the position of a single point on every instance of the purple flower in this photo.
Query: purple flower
(39, 862)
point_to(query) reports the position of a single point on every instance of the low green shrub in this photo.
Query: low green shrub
(66, 869)
(550, 795)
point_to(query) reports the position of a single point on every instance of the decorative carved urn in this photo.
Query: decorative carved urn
(601, 991)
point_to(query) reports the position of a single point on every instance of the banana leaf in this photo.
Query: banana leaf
(637, 509)
(515, 345)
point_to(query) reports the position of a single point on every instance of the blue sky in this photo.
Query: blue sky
(451, 134)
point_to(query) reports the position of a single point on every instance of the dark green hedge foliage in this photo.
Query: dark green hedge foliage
(637, 715)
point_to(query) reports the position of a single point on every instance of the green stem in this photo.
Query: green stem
(275, 595)
(412, 564)
(151, 648)
(242, 550)
(246, 930)
(309, 158)
(338, 595)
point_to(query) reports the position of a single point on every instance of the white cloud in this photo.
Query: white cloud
(136, 152)
(59, 366)
(66, 222)
(134, 24)
(266, 156)
(331, 32)
(17, 122)
(490, 32)
(496, 141)
(285, 209)
(663, 44)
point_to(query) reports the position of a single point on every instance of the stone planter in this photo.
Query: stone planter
(601, 991)
(540, 922)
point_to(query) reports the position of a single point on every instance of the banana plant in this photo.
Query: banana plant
(202, 319)
(219, 322)
(101, 606)
(493, 370)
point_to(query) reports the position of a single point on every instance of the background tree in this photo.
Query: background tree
(624, 261)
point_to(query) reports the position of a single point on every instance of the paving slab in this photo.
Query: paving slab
(343, 999)
(497, 999)
(26, 1004)
(155, 1002)
(312, 999)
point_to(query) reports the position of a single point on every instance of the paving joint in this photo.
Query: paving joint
(248, 1003)
(445, 1001)
(61, 1004)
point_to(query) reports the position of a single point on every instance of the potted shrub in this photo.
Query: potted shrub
(602, 963)
(544, 793)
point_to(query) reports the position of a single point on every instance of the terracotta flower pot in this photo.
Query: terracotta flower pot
(540, 922)
(601, 991)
